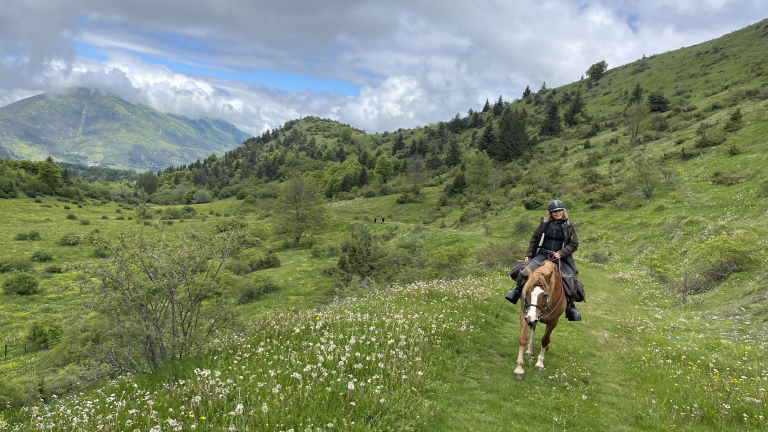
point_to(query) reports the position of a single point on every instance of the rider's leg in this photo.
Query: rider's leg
(571, 313)
(514, 295)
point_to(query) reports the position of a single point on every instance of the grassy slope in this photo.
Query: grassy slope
(630, 324)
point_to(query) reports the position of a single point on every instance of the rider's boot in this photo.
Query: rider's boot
(571, 313)
(514, 294)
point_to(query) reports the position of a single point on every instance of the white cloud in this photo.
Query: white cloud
(415, 62)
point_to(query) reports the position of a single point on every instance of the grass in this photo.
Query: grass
(639, 361)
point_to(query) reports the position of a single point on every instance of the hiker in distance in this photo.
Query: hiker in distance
(554, 239)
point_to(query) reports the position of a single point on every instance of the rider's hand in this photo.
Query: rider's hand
(527, 259)
(557, 255)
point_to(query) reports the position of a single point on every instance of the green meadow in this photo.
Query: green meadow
(674, 325)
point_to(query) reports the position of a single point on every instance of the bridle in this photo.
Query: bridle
(546, 295)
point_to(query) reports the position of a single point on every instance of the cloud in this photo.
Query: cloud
(415, 62)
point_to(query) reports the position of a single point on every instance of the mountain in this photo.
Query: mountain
(82, 125)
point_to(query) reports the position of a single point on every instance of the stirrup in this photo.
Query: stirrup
(513, 295)
(572, 314)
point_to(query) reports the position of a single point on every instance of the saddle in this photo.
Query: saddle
(578, 288)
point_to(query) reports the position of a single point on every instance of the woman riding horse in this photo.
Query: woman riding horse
(555, 238)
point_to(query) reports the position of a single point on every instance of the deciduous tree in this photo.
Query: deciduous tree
(299, 209)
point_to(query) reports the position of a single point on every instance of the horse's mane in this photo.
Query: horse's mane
(541, 276)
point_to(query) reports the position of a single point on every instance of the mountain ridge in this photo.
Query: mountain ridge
(79, 125)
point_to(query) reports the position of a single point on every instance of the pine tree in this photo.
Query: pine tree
(551, 125)
(454, 154)
(513, 135)
(637, 95)
(340, 155)
(498, 107)
(399, 144)
(422, 147)
(543, 87)
(487, 106)
(362, 179)
(526, 92)
(575, 108)
(657, 102)
(477, 121)
(489, 140)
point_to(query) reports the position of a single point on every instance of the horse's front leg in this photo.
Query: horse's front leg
(522, 342)
(545, 343)
(529, 351)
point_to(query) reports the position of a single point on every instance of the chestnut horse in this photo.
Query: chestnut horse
(543, 301)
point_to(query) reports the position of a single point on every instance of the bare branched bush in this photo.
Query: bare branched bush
(159, 297)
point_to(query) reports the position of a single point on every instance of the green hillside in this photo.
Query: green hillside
(390, 326)
(81, 125)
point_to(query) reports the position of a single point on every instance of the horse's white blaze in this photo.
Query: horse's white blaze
(533, 312)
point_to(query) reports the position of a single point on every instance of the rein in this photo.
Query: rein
(546, 302)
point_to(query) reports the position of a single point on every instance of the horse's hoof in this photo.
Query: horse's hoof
(529, 354)
(539, 368)
(519, 376)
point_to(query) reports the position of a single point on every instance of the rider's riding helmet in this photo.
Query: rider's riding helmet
(555, 206)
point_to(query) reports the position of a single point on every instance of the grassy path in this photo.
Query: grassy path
(593, 394)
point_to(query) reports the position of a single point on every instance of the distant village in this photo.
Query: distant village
(92, 164)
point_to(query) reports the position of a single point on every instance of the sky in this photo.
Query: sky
(375, 65)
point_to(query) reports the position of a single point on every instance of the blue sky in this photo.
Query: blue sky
(271, 78)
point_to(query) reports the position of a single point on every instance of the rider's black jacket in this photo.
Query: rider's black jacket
(570, 242)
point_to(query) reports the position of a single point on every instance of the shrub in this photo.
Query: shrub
(21, 284)
(499, 255)
(85, 222)
(38, 201)
(104, 217)
(229, 225)
(44, 333)
(707, 263)
(600, 257)
(238, 267)
(267, 262)
(70, 240)
(15, 264)
(66, 207)
(21, 237)
(724, 179)
(254, 288)
(711, 139)
(41, 256)
(385, 189)
(535, 201)
(71, 216)
(317, 251)
(54, 269)
(120, 218)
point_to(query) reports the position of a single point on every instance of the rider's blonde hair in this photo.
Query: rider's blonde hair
(565, 214)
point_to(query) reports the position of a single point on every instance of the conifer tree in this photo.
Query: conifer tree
(487, 106)
(422, 147)
(543, 87)
(526, 92)
(637, 95)
(575, 108)
(657, 102)
(489, 141)
(454, 154)
(551, 125)
(362, 179)
(399, 144)
(477, 121)
(513, 136)
(498, 107)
